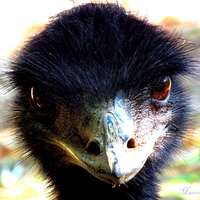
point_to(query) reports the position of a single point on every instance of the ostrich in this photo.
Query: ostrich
(99, 103)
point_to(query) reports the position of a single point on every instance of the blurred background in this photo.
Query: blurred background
(20, 19)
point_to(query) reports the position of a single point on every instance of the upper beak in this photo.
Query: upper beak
(111, 153)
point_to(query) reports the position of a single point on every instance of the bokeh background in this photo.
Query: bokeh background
(20, 19)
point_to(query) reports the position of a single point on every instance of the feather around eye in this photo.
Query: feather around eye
(43, 107)
(161, 89)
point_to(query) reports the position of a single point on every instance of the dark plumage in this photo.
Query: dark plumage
(99, 97)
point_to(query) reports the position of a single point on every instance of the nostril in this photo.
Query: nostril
(93, 147)
(131, 143)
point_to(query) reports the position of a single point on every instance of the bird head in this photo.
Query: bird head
(100, 88)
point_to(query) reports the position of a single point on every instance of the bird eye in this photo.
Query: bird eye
(38, 99)
(162, 89)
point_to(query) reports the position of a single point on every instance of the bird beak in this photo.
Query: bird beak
(113, 152)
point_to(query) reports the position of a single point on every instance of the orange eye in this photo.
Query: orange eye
(162, 89)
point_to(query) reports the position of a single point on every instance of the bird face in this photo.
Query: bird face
(99, 88)
(112, 140)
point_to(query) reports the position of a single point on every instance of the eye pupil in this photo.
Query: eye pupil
(162, 90)
(38, 99)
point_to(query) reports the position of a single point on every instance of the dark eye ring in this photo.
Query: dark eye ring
(161, 89)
